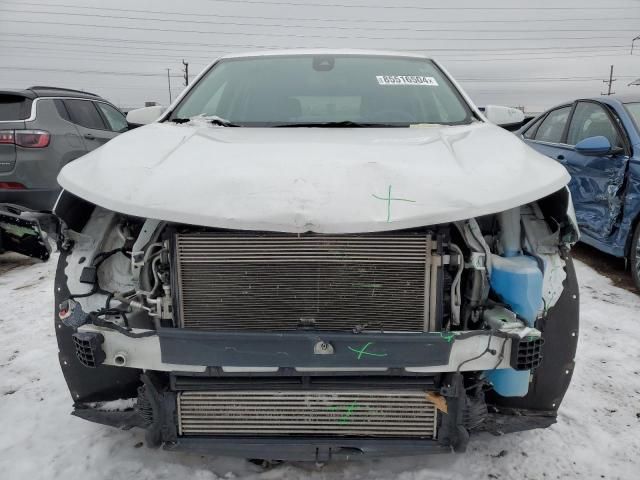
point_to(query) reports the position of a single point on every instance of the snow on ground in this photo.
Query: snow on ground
(597, 435)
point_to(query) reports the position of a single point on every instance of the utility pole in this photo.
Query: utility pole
(610, 82)
(169, 83)
(186, 72)
(633, 41)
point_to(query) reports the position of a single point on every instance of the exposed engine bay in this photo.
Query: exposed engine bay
(330, 341)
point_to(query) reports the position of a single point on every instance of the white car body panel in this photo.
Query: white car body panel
(325, 180)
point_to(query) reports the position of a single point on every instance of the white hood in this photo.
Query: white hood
(328, 180)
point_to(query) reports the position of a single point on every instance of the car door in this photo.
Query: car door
(546, 135)
(596, 181)
(91, 125)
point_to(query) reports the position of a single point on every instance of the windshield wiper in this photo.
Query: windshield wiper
(220, 122)
(341, 124)
(213, 119)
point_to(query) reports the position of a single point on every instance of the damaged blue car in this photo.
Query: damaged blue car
(598, 141)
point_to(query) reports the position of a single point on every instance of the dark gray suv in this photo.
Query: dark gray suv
(41, 130)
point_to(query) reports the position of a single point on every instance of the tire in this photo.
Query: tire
(634, 257)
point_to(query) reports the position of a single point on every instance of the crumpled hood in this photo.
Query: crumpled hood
(328, 180)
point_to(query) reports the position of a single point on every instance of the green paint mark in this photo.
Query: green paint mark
(363, 351)
(448, 336)
(389, 199)
(345, 417)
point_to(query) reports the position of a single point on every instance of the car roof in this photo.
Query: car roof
(612, 99)
(45, 91)
(608, 99)
(325, 51)
(627, 98)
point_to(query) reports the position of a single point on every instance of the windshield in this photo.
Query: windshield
(323, 89)
(634, 110)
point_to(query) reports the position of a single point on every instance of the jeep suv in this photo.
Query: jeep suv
(41, 130)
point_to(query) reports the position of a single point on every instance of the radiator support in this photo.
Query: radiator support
(386, 282)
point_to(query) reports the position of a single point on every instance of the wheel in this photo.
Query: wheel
(634, 256)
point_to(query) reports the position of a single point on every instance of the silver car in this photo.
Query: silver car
(41, 130)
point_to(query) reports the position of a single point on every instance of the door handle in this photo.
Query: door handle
(560, 157)
(89, 136)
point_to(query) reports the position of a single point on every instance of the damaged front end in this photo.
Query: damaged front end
(315, 346)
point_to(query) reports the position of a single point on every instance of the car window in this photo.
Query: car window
(14, 107)
(529, 132)
(634, 111)
(84, 113)
(592, 120)
(552, 127)
(116, 120)
(62, 110)
(302, 89)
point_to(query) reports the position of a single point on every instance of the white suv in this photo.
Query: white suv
(315, 255)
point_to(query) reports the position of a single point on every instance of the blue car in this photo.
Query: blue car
(598, 141)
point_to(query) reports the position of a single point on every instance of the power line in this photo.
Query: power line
(523, 59)
(512, 79)
(327, 27)
(323, 19)
(413, 7)
(161, 58)
(461, 78)
(69, 70)
(308, 35)
(134, 55)
(179, 53)
(263, 46)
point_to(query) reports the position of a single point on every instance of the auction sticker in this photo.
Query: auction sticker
(406, 80)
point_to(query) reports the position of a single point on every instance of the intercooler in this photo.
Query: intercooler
(279, 282)
(311, 413)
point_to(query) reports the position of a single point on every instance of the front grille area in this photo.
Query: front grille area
(310, 413)
(287, 282)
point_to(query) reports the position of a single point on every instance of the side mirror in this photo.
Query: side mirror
(594, 146)
(506, 117)
(145, 116)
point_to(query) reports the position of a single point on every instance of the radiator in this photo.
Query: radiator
(310, 413)
(279, 282)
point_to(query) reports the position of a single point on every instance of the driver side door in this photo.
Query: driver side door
(596, 180)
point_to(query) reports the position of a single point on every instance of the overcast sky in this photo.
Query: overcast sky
(511, 52)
